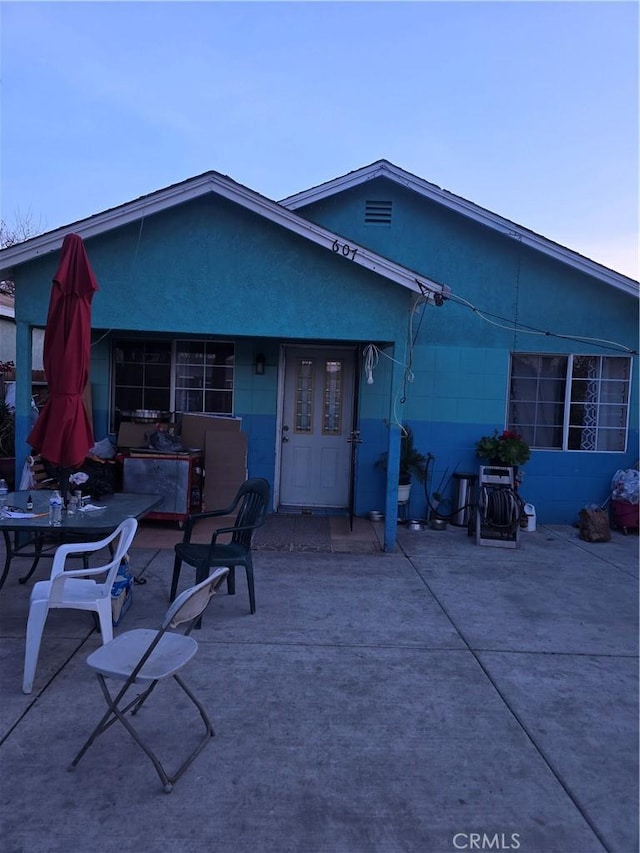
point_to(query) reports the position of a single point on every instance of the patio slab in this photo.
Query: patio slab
(550, 596)
(565, 703)
(374, 703)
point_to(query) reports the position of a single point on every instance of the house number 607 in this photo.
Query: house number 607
(344, 249)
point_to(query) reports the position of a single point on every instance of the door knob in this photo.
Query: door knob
(355, 437)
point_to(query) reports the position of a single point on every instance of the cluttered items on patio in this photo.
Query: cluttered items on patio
(96, 476)
(173, 461)
(163, 439)
(625, 506)
(593, 524)
(121, 592)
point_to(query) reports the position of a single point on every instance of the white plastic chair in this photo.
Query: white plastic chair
(147, 656)
(75, 590)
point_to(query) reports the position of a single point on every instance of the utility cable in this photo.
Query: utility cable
(532, 330)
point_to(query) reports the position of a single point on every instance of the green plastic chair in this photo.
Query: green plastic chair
(250, 504)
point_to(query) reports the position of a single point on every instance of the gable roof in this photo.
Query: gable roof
(225, 187)
(385, 169)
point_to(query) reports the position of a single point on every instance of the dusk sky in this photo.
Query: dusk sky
(529, 109)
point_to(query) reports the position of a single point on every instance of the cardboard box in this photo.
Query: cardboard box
(194, 428)
(225, 466)
(132, 435)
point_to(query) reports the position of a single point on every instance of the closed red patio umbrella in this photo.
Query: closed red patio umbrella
(63, 433)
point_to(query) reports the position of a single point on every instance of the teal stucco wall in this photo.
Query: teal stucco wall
(211, 268)
(460, 362)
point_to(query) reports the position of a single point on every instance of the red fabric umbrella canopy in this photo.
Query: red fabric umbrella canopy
(63, 433)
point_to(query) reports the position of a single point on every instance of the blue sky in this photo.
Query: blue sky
(529, 109)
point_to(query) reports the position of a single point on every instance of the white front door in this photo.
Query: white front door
(317, 423)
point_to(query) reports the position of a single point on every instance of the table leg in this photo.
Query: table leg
(38, 539)
(7, 558)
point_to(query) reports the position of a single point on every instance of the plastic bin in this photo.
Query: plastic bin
(624, 515)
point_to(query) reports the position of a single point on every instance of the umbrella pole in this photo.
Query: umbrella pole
(65, 473)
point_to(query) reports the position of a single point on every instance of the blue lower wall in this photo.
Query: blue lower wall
(449, 388)
(261, 442)
(557, 483)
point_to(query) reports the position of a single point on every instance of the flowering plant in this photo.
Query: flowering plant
(507, 448)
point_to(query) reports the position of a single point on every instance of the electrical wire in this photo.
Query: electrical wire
(532, 330)
(372, 354)
(412, 336)
(371, 351)
(101, 338)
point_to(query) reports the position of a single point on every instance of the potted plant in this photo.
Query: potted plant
(412, 464)
(7, 443)
(506, 448)
(441, 507)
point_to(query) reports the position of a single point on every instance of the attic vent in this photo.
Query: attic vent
(377, 212)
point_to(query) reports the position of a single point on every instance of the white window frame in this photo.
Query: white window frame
(177, 388)
(568, 401)
(173, 345)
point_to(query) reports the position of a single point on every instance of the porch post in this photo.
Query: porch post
(393, 459)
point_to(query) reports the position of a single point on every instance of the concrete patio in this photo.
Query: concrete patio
(440, 698)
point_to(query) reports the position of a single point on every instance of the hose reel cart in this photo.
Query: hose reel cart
(498, 508)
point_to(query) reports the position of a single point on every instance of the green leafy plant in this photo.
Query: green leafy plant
(506, 448)
(7, 431)
(412, 462)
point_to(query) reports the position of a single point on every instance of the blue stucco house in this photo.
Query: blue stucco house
(329, 318)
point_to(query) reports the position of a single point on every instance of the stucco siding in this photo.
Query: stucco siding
(460, 362)
(211, 267)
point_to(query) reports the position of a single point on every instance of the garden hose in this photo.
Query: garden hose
(500, 508)
(431, 509)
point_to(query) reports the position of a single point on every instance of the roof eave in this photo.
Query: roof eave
(229, 189)
(383, 168)
(100, 223)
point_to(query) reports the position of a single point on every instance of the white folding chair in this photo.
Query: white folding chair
(146, 656)
(75, 590)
